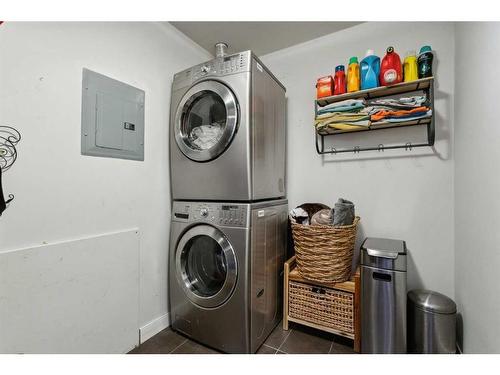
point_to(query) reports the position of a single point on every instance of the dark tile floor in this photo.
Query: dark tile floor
(297, 340)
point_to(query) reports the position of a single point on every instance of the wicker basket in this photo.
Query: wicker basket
(325, 307)
(324, 252)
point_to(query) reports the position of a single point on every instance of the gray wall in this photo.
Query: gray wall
(63, 196)
(404, 195)
(477, 184)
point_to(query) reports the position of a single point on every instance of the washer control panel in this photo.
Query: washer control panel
(222, 214)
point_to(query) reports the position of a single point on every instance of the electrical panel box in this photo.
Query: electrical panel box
(112, 118)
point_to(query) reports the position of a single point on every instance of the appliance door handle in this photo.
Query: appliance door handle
(382, 254)
(382, 277)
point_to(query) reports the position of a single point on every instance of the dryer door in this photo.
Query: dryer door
(206, 121)
(206, 266)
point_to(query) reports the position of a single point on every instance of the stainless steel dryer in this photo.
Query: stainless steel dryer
(225, 267)
(227, 131)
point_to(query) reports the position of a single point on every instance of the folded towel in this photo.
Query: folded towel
(344, 103)
(371, 109)
(323, 217)
(349, 126)
(346, 108)
(400, 103)
(399, 113)
(340, 117)
(343, 212)
(410, 117)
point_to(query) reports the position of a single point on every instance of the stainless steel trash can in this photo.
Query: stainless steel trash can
(432, 321)
(383, 296)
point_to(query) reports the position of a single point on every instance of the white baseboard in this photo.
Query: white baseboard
(153, 327)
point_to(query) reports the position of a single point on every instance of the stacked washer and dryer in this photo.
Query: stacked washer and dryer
(229, 215)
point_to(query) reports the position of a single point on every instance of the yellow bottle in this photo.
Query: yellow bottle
(353, 79)
(410, 67)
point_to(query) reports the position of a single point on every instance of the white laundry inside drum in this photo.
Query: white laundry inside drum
(206, 136)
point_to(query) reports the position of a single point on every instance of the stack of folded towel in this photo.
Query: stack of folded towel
(357, 114)
(398, 110)
(344, 115)
(342, 121)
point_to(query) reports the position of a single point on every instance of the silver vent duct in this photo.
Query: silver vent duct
(220, 49)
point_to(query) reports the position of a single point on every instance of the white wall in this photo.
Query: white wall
(477, 184)
(61, 195)
(57, 298)
(400, 194)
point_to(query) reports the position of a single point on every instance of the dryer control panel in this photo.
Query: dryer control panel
(230, 64)
(222, 66)
(219, 214)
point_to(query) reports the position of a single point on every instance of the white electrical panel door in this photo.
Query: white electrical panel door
(112, 118)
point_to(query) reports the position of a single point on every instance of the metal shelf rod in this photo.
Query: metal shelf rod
(407, 146)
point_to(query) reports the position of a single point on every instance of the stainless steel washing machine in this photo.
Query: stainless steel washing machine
(225, 272)
(227, 131)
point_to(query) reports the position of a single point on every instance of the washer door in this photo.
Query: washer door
(206, 266)
(206, 121)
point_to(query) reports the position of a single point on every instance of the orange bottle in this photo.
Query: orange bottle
(353, 79)
(324, 87)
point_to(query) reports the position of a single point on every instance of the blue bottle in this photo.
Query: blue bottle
(370, 70)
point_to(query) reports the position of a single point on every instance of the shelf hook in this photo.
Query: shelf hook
(333, 150)
(380, 147)
(356, 149)
(408, 146)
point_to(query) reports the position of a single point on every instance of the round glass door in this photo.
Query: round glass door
(206, 266)
(206, 121)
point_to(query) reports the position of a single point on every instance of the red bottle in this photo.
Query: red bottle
(340, 84)
(391, 71)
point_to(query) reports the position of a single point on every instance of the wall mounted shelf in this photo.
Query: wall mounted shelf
(426, 85)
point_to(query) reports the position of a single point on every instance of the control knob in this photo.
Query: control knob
(204, 212)
(205, 69)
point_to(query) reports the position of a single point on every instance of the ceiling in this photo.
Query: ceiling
(260, 37)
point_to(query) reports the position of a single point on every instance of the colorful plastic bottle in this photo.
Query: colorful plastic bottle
(324, 87)
(370, 69)
(410, 68)
(339, 81)
(391, 71)
(424, 61)
(353, 81)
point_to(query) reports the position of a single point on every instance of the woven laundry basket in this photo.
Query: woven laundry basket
(324, 252)
(323, 306)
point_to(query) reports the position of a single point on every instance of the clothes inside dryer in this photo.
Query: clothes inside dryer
(204, 120)
(206, 136)
(206, 266)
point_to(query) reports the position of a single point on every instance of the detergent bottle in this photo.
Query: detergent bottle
(324, 87)
(339, 80)
(424, 60)
(390, 69)
(370, 69)
(353, 75)
(410, 68)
